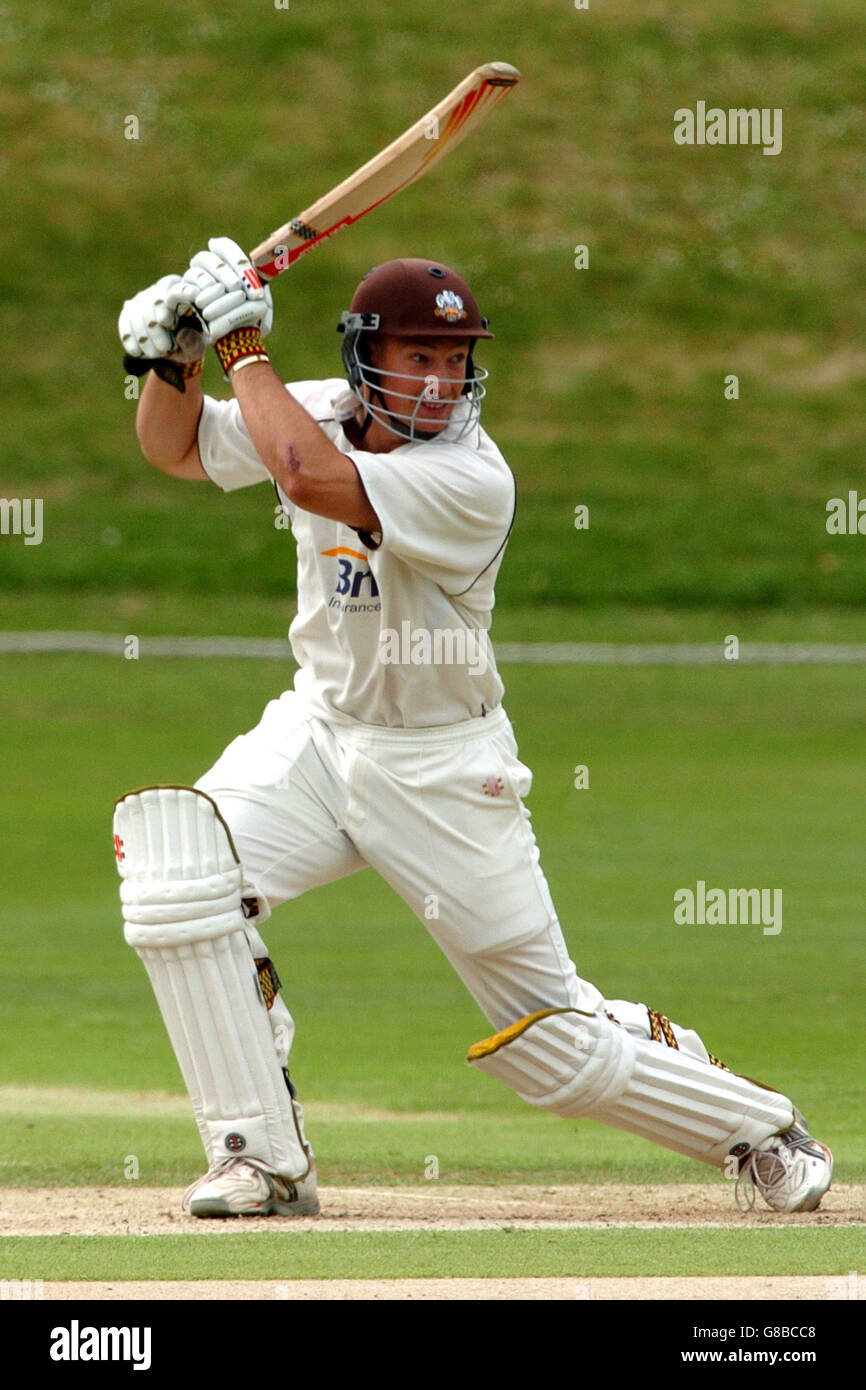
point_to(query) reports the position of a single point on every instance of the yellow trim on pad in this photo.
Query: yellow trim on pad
(488, 1046)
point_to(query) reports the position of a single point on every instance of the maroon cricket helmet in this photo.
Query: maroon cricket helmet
(417, 298)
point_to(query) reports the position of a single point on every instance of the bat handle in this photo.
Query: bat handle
(190, 336)
(271, 263)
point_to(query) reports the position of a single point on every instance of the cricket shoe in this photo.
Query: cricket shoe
(792, 1171)
(248, 1187)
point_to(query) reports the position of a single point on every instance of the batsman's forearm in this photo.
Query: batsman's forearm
(310, 469)
(166, 422)
(286, 438)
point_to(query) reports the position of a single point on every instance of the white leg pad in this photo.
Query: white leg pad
(560, 1059)
(696, 1108)
(577, 1064)
(182, 904)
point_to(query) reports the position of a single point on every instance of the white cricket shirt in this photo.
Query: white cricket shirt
(393, 633)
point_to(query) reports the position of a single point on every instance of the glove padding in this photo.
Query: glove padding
(151, 324)
(223, 287)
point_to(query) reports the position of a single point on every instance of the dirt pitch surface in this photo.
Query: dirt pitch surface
(459, 1290)
(136, 1210)
(153, 1211)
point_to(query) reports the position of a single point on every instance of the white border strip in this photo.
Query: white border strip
(524, 653)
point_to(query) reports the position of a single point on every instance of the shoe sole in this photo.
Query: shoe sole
(215, 1206)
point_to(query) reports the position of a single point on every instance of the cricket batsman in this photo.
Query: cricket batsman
(392, 750)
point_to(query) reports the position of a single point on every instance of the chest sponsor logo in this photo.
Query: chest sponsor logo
(355, 579)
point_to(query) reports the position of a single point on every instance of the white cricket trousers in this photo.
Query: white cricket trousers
(438, 813)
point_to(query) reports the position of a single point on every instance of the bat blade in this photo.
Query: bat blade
(409, 157)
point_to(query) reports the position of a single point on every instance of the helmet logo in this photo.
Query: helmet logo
(449, 306)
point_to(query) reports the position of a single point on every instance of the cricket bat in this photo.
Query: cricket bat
(406, 159)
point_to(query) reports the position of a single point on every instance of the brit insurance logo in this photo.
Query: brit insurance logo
(449, 306)
(356, 584)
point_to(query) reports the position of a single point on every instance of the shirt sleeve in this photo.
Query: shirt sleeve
(445, 510)
(225, 448)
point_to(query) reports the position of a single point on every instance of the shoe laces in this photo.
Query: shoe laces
(769, 1169)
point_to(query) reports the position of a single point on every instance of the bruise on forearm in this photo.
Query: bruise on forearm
(327, 488)
(286, 437)
(307, 470)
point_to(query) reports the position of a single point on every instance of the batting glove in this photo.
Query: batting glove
(161, 334)
(223, 287)
(150, 322)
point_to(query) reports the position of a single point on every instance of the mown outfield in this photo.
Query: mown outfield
(706, 518)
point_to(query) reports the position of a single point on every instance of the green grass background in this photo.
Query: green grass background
(606, 384)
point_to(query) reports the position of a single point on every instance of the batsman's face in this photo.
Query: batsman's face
(432, 370)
